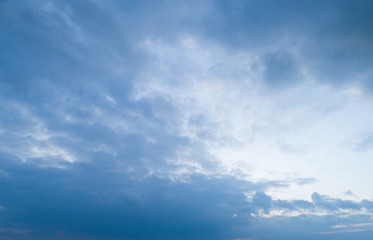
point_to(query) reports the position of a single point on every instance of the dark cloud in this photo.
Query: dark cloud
(98, 201)
(332, 39)
(280, 70)
(310, 226)
(324, 202)
(261, 201)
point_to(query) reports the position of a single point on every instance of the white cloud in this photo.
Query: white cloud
(32, 139)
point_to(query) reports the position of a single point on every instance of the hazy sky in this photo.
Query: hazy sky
(201, 120)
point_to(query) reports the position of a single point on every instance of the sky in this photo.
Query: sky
(186, 120)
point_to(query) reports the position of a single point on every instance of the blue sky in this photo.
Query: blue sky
(231, 120)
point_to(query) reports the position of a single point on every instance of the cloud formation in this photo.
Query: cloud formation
(185, 120)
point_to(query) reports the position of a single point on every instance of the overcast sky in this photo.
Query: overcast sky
(186, 120)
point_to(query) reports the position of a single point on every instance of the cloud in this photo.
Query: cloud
(100, 201)
(365, 143)
(331, 42)
(320, 204)
(138, 120)
(262, 201)
(280, 70)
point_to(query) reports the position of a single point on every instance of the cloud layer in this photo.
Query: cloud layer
(185, 120)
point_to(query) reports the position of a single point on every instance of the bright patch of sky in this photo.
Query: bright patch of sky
(309, 131)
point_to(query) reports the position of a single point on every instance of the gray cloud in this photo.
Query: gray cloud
(261, 201)
(97, 200)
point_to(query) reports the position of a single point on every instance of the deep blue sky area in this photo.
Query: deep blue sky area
(186, 120)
